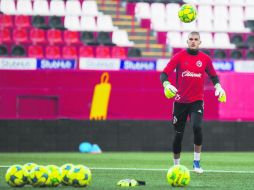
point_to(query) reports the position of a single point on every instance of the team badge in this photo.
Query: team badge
(199, 63)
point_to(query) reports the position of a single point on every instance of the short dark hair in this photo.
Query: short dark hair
(194, 33)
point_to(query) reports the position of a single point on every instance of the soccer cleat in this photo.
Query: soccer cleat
(196, 167)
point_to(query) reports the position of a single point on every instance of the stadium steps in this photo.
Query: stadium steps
(150, 48)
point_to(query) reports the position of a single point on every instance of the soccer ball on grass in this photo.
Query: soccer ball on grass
(178, 176)
(187, 13)
(38, 176)
(65, 169)
(80, 176)
(54, 178)
(16, 176)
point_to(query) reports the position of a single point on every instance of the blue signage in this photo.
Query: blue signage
(223, 65)
(138, 65)
(56, 64)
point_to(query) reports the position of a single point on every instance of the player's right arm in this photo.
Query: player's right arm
(169, 90)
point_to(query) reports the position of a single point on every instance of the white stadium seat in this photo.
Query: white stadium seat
(72, 22)
(73, 7)
(206, 40)
(41, 7)
(88, 23)
(142, 10)
(8, 7)
(221, 2)
(174, 39)
(236, 2)
(221, 40)
(57, 7)
(205, 11)
(248, 14)
(24, 7)
(105, 23)
(205, 24)
(90, 8)
(158, 11)
(220, 11)
(120, 38)
(220, 25)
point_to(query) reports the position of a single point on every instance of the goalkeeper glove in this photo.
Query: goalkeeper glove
(220, 93)
(130, 183)
(169, 90)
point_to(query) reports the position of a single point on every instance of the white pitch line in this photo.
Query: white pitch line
(157, 169)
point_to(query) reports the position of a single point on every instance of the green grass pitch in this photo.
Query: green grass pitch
(223, 170)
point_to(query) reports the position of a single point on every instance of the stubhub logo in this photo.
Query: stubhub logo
(223, 65)
(55, 64)
(138, 65)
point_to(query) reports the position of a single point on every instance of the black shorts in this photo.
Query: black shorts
(181, 111)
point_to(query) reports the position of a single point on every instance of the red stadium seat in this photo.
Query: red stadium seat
(22, 21)
(118, 52)
(70, 52)
(6, 21)
(20, 35)
(55, 36)
(103, 51)
(35, 51)
(86, 51)
(5, 35)
(37, 35)
(71, 37)
(53, 52)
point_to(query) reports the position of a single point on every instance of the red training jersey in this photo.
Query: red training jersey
(190, 75)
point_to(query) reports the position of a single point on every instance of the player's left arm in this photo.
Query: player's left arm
(219, 91)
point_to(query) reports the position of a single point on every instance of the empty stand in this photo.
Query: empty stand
(120, 38)
(73, 7)
(103, 52)
(88, 38)
(71, 37)
(41, 7)
(86, 51)
(53, 52)
(70, 52)
(54, 36)
(37, 36)
(118, 52)
(18, 51)
(6, 21)
(22, 21)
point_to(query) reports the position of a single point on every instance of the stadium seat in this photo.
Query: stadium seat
(53, 52)
(172, 10)
(220, 11)
(174, 39)
(57, 8)
(134, 52)
(248, 14)
(220, 2)
(20, 35)
(250, 55)
(118, 52)
(250, 41)
(3, 51)
(72, 22)
(221, 40)
(18, 51)
(236, 54)
(90, 8)
(103, 52)
(189, 26)
(35, 51)
(5, 35)
(70, 52)
(6, 21)
(41, 7)
(39, 22)
(238, 40)
(207, 40)
(71, 37)
(24, 7)
(56, 22)
(142, 10)
(173, 24)
(22, 21)
(206, 51)
(88, 23)
(236, 2)
(104, 38)
(88, 38)
(158, 11)
(73, 7)
(250, 24)
(249, 3)
(219, 54)
(206, 11)
(54, 36)
(205, 24)
(37, 36)
(105, 23)
(236, 13)
(86, 51)
(120, 38)
(237, 26)
(8, 7)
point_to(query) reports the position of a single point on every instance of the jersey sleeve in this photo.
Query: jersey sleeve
(171, 66)
(210, 69)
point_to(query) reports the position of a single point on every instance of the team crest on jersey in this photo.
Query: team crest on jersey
(199, 63)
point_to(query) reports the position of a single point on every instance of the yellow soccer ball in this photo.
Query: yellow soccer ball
(80, 176)
(54, 178)
(65, 169)
(38, 176)
(16, 176)
(178, 176)
(187, 13)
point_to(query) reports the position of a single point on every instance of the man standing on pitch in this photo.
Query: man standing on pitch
(191, 66)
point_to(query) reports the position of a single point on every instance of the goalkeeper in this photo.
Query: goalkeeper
(191, 66)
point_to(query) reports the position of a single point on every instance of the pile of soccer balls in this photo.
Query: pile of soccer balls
(48, 176)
